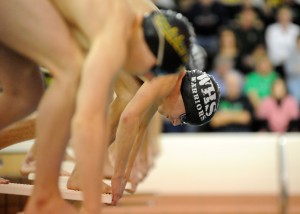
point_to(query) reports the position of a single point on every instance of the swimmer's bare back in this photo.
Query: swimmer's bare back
(88, 18)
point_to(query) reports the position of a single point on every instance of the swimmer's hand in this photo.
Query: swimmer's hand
(118, 186)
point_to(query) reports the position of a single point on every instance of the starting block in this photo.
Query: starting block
(26, 190)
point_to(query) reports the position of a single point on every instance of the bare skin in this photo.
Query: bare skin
(17, 132)
(29, 163)
(95, 29)
(24, 96)
(21, 83)
(125, 88)
(56, 108)
(160, 94)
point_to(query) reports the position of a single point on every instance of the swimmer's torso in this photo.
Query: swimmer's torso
(88, 18)
(126, 85)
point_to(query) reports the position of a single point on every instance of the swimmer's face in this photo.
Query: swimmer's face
(172, 108)
(139, 59)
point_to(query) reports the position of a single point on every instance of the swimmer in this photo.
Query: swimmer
(126, 88)
(21, 89)
(84, 44)
(191, 97)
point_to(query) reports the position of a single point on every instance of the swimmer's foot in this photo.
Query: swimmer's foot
(27, 166)
(118, 187)
(73, 183)
(50, 205)
(4, 181)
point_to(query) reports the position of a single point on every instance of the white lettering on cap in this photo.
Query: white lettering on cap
(197, 98)
(209, 93)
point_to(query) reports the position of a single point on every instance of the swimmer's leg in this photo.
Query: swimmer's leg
(22, 87)
(18, 132)
(57, 51)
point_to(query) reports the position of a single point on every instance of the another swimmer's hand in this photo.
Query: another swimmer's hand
(118, 186)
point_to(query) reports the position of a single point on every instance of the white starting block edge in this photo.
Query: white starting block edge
(64, 179)
(26, 190)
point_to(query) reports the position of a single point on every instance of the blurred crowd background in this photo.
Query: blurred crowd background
(253, 51)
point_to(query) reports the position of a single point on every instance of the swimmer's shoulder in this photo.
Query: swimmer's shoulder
(142, 6)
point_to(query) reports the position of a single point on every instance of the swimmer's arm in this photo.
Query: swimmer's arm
(115, 110)
(91, 117)
(125, 88)
(139, 141)
(223, 118)
(130, 122)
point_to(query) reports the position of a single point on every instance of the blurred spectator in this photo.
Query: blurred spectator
(232, 7)
(184, 5)
(253, 3)
(292, 68)
(295, 7)
(228, 46)
(281, 38)
(222, 66)
(207, 16)
(235, 110)
(258, 83)
(249, 34)
(279, 109)
(274, 3)
(165, 4)
(258, 53)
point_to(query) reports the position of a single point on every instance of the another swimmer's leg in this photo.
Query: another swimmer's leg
(17, 132)
(53, 128)
(53, 132)
(57, 51)
(22, 87)
(28, 165)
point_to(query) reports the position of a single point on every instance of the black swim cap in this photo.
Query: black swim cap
(201, 95)
(197, 58)
(169, 36)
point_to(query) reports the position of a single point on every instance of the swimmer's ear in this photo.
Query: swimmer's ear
(182, 74)
(179, 81)
(138, 21)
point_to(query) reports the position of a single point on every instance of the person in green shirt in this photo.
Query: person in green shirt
(258, 83)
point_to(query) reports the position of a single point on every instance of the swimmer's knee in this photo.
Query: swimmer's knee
(26, 104)
(68, 67)
(28, 93)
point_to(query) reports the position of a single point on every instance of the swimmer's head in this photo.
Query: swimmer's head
(169, 36)
(201, 96)
(194, 100)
